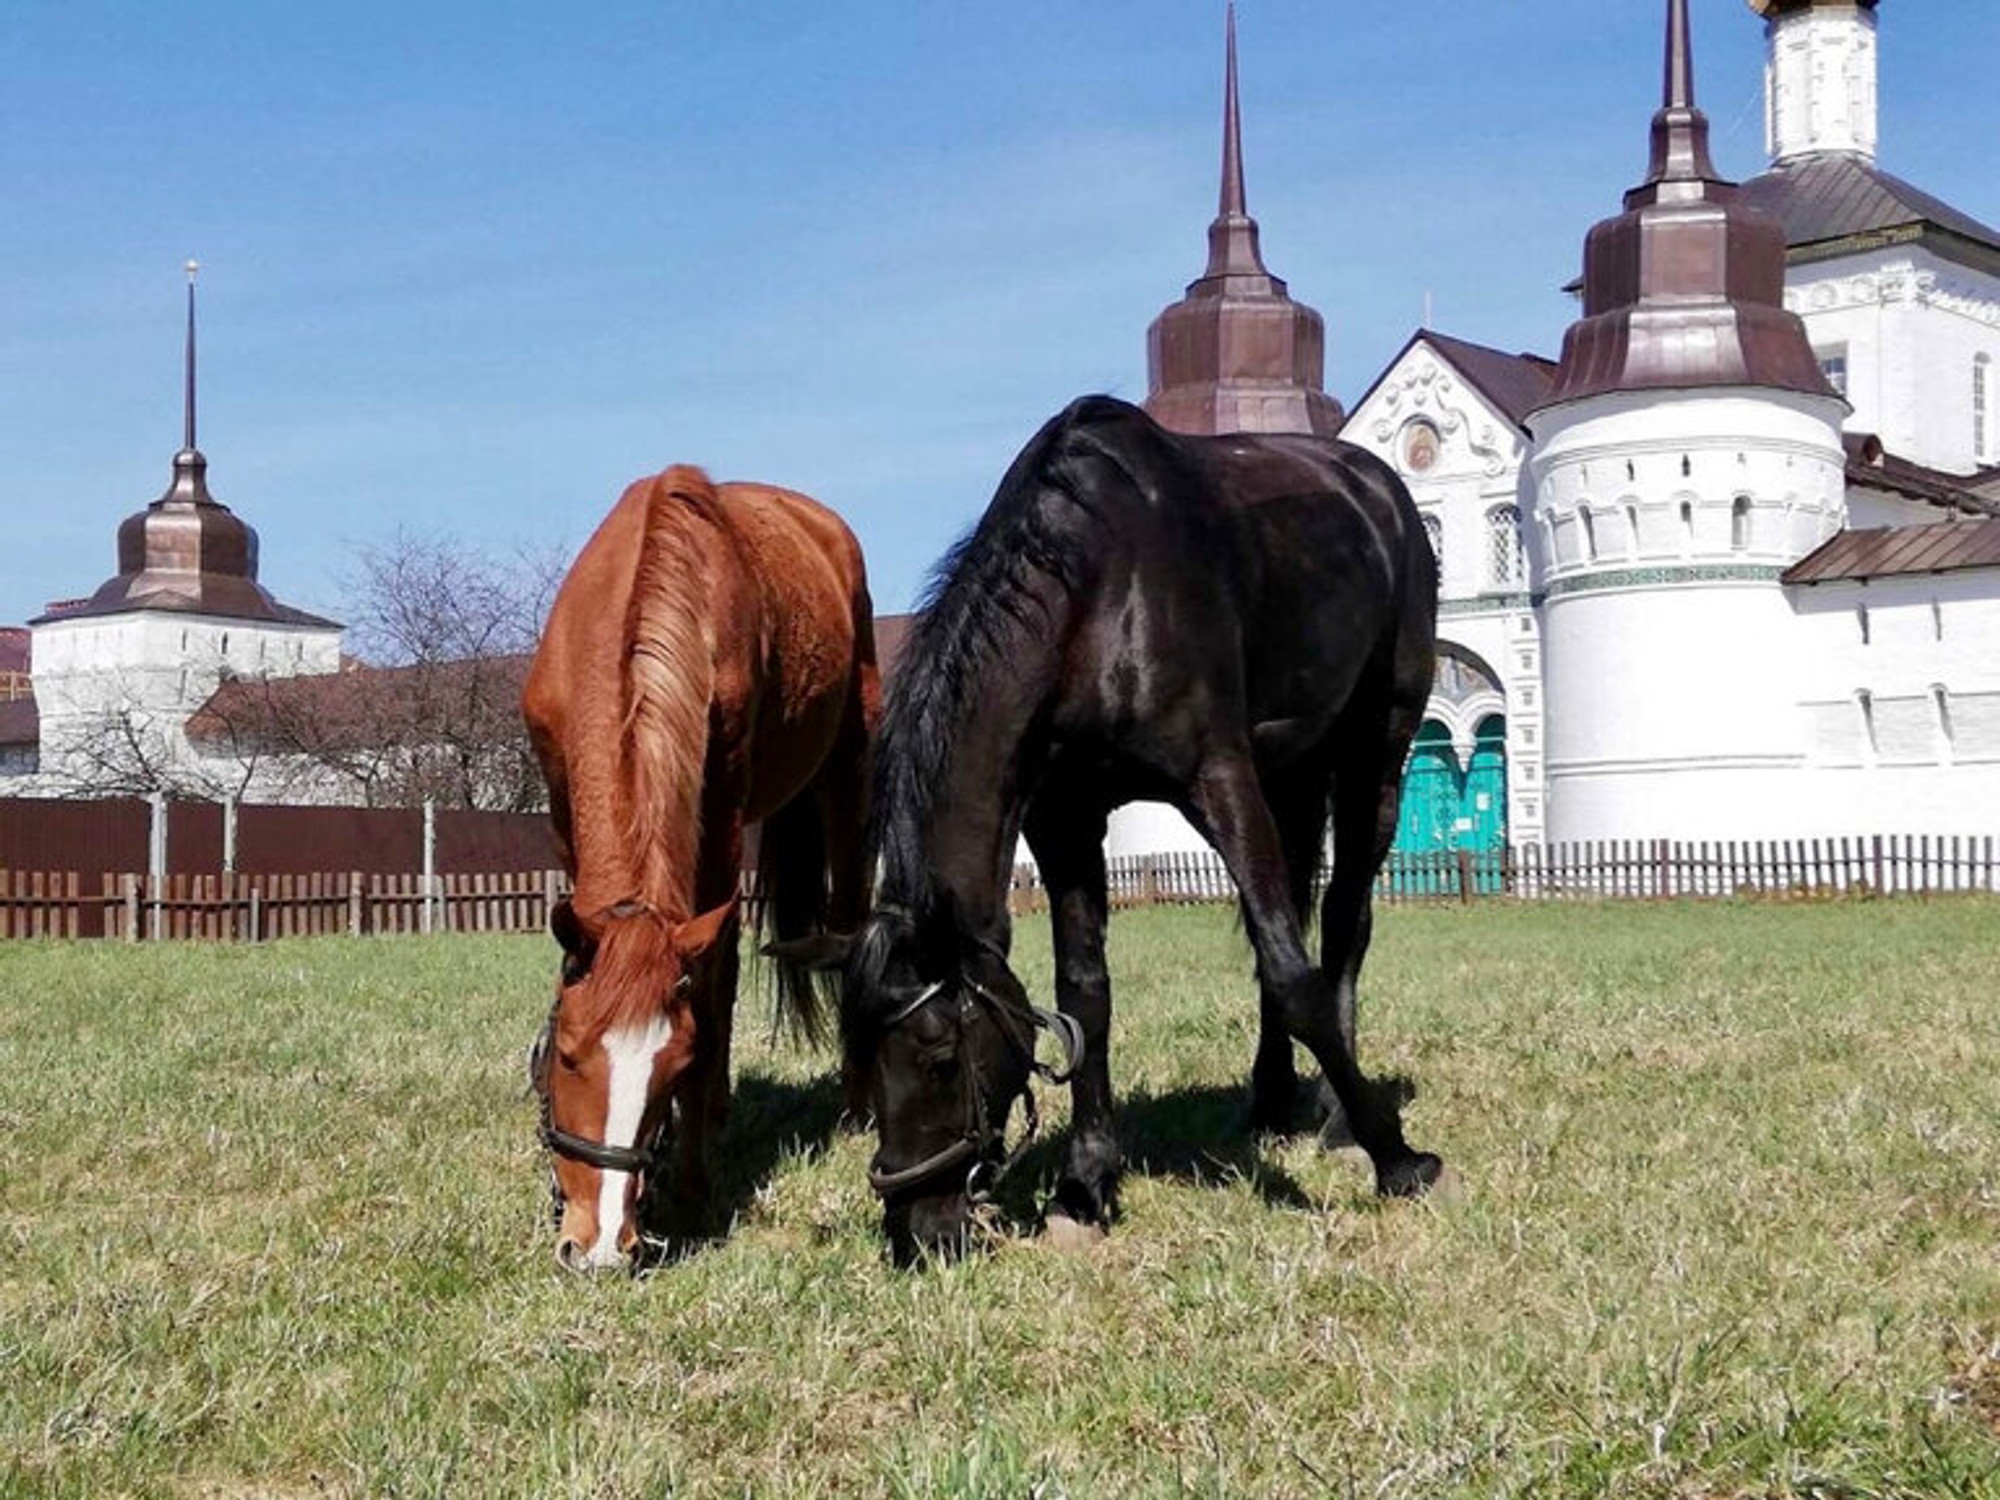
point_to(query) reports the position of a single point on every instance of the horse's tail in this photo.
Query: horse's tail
(792, 880)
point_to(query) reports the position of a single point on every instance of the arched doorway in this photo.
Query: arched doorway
(1455, 782)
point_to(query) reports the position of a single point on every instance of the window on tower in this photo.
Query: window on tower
(1833, 364)
(1739, 524)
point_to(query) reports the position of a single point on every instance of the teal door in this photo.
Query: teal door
(1430, 793)
(1482, 811)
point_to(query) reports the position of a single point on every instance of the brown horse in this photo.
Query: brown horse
(709, 663)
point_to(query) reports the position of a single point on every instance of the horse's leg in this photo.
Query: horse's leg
(1068, 841)
(702, 1096)
(840, 791)
(1297, 798)
(1228, 805)
(1367, 796)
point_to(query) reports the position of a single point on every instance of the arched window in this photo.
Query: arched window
(1632, 528)
(1739, 523)
(1864, 703)
(1503, 547)
(1589, 533)
(1941, 707)
(1982, 387)
(1687, 526)
(1434, 534)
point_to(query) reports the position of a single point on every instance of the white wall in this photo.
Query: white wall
(1911, 325)
(154, 668)
(1670, 658)
(1923, 632)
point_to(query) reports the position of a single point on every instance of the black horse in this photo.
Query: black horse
(1243, 627)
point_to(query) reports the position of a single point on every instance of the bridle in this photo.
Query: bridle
(637, 1159)
(981, 1144)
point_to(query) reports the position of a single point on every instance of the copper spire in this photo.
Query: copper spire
(1237, 354)
(189, 439)
(1686, 288)
(187, 551)
(1232, 239)
(1680, 130)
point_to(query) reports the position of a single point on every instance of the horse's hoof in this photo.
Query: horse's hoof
(1412, 1177)
(1061, 1232)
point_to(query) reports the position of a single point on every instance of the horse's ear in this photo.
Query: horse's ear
(697, 934)
(567, 929)
(821, 953)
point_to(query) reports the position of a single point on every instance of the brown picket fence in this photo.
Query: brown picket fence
(252, 908)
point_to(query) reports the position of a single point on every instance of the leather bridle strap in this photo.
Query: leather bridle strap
(606, 1158)
(977, 1136)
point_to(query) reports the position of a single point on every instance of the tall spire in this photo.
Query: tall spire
(1232, 128)
(1233, 249)
(1680, 129)
(193, 266)
(1237, 354)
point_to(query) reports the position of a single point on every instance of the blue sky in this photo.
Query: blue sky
(470, 268)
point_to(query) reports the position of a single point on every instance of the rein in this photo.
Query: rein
(979, 1141)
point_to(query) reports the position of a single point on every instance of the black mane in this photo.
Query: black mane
(986, 607)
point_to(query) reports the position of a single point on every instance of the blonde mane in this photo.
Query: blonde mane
(669, 679)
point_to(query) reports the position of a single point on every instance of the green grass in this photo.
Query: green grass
(272, 1222)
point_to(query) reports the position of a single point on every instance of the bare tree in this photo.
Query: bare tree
(448, 630)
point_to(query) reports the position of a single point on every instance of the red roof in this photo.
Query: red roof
(1514, 383)
(356, 708)
(1873, 467)
(1893, 551)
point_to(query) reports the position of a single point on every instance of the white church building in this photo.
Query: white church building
(1729, 568)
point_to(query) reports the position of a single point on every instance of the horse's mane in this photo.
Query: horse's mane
(986, 608)
(667, 681)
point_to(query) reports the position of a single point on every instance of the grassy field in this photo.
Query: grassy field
(272, 1222)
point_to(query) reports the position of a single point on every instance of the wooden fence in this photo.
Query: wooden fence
(1656, 869)
(250, 908)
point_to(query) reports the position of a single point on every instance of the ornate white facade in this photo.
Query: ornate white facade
(1659, 678)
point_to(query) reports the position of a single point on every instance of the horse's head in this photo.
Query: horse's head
(618, 1040)
(950, 1036)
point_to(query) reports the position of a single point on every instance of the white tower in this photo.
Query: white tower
(118, 675)
(1688, 451)
(1819, 82)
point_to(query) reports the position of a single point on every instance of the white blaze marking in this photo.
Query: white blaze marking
(631, 1052)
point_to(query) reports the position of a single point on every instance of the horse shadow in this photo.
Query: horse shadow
(1198, 1134)
(769, 1119)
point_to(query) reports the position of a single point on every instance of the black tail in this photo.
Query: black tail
(791, 879)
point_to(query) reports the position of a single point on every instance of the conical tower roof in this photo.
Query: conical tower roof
(1686, 287)
(187, 551)
(1237, 354)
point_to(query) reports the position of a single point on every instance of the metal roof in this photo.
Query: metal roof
(1685, 289)
(1891, 551)
(1834, 204)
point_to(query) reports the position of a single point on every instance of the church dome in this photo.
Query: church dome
(1237, 354)
(1685, 288)
(187, 551)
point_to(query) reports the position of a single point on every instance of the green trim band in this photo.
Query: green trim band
(1486, 604)
(1638, 578)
